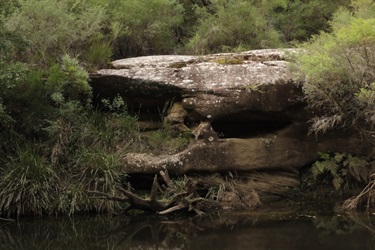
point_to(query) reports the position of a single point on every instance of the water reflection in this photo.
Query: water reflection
(235, 231)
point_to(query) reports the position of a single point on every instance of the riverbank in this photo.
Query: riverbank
(286, 227)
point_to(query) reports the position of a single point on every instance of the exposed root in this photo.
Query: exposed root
(175, 202)
(366, 196)
(6, 219)
(166, 178)
(173, 209)
(188, 194)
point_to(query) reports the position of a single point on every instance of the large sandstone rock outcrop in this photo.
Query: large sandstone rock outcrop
(245, 110)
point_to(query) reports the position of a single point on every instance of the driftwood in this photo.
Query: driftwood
(173, 198)
(193, 194)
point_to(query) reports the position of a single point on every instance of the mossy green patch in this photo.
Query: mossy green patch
(178, 65)
(229, 60)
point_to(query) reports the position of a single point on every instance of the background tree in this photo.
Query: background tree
(226, 25)
(54, 28)
(232, 25)
(97, 31)
(299, 20)
(144, 27)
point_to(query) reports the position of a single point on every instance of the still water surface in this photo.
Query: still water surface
(244, 230)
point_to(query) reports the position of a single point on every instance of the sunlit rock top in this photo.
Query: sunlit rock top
(209, 72)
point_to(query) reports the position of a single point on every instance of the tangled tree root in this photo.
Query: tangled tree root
(366, 197)
(172, 196)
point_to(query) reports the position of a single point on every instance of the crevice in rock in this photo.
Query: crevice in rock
(144, 98)
(248, 124)
(246, 129)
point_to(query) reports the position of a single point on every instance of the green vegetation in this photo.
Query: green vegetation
(237, 25)
(166, 140)
(96, 31)
(341, 171)
(55, 144)
(339, 72)
(225, 60)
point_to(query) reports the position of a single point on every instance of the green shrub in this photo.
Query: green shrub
(233, 24)
(10, 40)
(76, 86)
(339, 73)
(11, 74)
(147, 28)
(33, 98)
(339, 170)
(55, 27)
(98, 55)
(299, 20)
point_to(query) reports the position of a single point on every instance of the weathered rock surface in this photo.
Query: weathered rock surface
(254, 80)
(245, 110)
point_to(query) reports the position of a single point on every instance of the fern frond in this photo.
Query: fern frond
(358, 168)
(332, 167)
(337, 182)
(339, 157)
(324, 123)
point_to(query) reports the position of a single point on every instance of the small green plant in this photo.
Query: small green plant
(165, 140)
(254, 88)
(76, 86)
(229, 60)
(227, 185)
(117, 105)
(99, 54)
(340, 170)
(178, 65)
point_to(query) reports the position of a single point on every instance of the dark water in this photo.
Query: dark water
(245, 230)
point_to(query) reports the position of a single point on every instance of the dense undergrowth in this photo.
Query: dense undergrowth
(55, 145)
(338, 70)
(98, 31)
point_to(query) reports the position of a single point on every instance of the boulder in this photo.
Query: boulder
(209, 86)
(246, 112)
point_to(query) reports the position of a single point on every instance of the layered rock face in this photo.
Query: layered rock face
(244, 109)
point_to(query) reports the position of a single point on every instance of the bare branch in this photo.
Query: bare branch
(154, 189)
(140, 203)
(165, 176)
(173, 209)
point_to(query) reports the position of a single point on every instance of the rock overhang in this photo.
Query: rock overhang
(245, 109)
(209, 84)
(228, 99)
